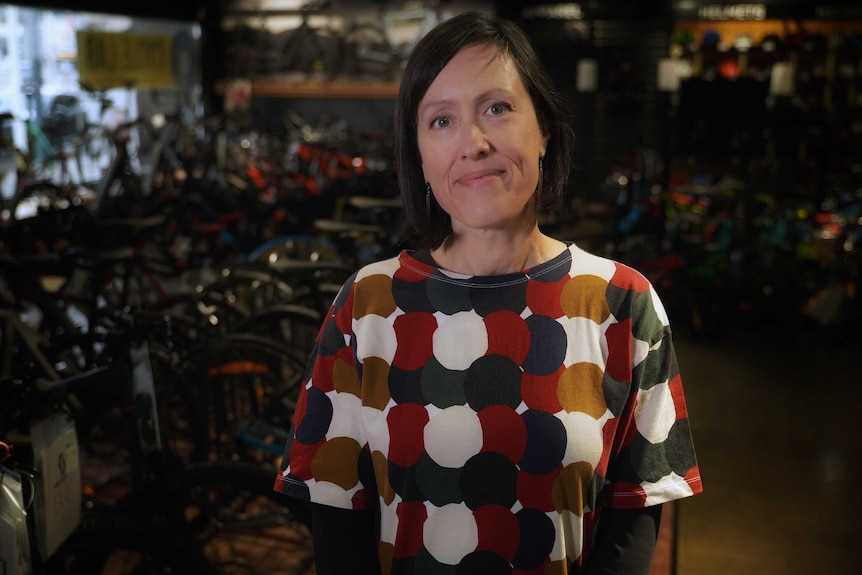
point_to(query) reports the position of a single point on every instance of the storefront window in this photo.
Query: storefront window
(62, 70)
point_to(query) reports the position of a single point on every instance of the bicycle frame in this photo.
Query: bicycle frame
(15, 331)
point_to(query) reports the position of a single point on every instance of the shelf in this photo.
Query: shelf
(278, 88)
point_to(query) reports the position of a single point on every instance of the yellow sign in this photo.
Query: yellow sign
(112, 60)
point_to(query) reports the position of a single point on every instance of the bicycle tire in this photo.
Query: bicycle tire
(297, 247)
(196, 315)
(238, 378)
(107, 544)
(309, 264)
(182, 424)
(254, 287)
(294, 325)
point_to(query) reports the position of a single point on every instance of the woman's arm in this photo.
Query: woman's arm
(344, 541)
(625, 541)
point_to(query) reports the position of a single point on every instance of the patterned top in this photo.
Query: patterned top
(487, 419)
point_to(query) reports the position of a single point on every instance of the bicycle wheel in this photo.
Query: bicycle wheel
(106, 545)
(196, 315)
(296, 247)
(242, 379)
(295, 326)
(254, 287)
(182, 423)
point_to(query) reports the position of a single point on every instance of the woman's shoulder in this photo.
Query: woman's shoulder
(386, 266)
(615, 272)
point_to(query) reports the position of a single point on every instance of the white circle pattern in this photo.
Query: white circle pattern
(451, 533)
(453, 436)
(376, 337)
(655, 413)
(460, 339)
(584, 441)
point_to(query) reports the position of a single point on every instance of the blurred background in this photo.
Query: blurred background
(719, 152)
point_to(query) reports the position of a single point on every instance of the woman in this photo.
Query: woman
(497, 400)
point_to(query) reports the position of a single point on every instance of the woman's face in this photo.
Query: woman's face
(480, 142)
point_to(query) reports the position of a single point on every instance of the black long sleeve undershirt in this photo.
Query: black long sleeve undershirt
(625, 541)
(344, 541)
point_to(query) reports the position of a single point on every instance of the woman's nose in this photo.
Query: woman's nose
(476, 142)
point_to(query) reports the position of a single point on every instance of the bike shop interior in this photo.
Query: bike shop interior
(213, 144)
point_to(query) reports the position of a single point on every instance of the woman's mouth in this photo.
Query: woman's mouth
(479, 177)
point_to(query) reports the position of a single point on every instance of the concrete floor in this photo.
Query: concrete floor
(777, 426)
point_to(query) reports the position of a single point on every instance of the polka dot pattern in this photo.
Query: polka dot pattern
(499, 531)
(492, 380)
(406, 386)
(537, 539)
(547, 345)
(584, 441)
(546, 442)
(508, 335)
(442, 387)
(417, 328)
(460, 340)
(489, 479)
(453, 436)
(503, 432)
(439, 485)
(450, 533)
(312, 430)
(375, 337)
(487, 418)
(406, 423)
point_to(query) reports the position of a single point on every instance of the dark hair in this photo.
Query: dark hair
(428, 58)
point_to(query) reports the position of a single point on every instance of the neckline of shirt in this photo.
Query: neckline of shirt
(423, 257)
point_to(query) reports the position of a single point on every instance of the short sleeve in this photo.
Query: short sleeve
(326, 458)
(654, 459)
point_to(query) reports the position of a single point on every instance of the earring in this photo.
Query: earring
(428, 199)
(539, 183)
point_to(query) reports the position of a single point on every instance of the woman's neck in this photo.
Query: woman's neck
(490, 253)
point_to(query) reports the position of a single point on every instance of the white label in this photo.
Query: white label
(58, 494)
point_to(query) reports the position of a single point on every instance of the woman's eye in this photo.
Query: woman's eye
(497, 109)
(441, 122)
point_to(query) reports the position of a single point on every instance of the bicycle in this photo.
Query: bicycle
(49, 540)
(129, 472)
(39, 184)
(42, 160)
